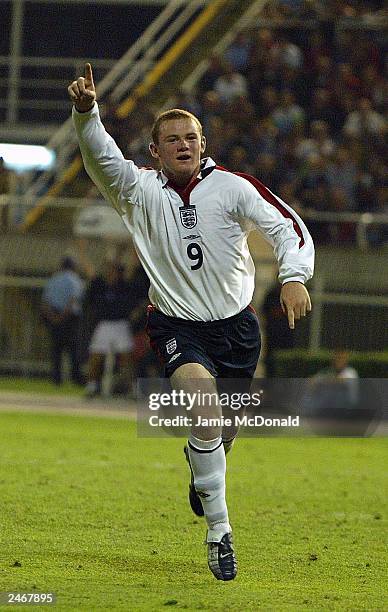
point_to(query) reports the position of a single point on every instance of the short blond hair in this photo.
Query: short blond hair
(174, 113)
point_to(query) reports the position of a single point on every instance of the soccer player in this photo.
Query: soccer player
(189, 223)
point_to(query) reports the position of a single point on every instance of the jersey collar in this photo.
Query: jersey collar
(207, 166)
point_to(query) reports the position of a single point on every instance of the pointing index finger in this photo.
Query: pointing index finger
(291, 318)
(89, 73)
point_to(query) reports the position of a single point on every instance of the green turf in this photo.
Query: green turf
(100, 517)
(38, 385)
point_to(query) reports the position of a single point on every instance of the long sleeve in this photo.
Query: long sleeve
(116, 178)
(283, 229)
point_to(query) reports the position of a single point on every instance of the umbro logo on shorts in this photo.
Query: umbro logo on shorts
(171, 346)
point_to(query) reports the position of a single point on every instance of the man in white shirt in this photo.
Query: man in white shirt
(189, 222)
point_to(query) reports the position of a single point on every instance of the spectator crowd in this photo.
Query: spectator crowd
(302, 108)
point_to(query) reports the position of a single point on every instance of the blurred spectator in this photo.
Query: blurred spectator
(317, 47)
(262, 138)
(233, 137)
(334, 390)
(314, 184)
(239, 51)
(287, 53)
(61, 311)
(286, 191)
(215, 137)
(374, 86)
(267, 102)
(318, 142)
(346, 80)
(342, 176)
(241, 112)
(238, 160)
(187, 102)
(324, 108)
(109, 299)
(288, 162)
(288, 114)
(214, 70)
(211, 107)
(323, 72)
(267, 171)
(365, 122)
(294, 80)
(230, 84)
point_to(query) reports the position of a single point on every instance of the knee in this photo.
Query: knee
(205, 432)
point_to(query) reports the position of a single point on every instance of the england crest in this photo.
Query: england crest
(171, 346)
(188, 216)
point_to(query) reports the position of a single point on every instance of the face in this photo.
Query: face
(179, 149)
(340, 360)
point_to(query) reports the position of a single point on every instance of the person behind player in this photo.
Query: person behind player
(109, 300)
(61, 311)
(189, 223)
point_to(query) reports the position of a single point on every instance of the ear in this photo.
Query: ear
(154, 150)
(203, 144)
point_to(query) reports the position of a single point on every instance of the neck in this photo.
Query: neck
(182, 180)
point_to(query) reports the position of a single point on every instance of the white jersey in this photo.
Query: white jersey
(193, 245)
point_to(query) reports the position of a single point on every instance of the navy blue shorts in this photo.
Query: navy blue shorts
(227, 348)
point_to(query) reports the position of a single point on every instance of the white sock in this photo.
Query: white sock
(207, 460)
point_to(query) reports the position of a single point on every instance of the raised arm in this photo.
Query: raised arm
(115, 177)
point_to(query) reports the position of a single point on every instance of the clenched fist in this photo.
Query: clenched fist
(83, 92)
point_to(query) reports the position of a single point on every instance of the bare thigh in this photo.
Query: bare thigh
(193, 378)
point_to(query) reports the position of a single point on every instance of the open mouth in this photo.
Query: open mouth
(184, 157)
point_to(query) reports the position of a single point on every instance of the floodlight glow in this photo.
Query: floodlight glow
(20, 158)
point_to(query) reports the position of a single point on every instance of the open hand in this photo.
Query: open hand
(295, 301)
(82, 92)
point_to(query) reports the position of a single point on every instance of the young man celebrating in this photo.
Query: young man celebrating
(189, 222)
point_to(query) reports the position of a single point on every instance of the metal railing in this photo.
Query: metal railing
(355, 321)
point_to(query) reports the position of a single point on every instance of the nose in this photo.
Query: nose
(183, 144)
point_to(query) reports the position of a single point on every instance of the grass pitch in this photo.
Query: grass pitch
(101, 518)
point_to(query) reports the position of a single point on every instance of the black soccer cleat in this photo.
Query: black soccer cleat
(221, 558)
(194, 499)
